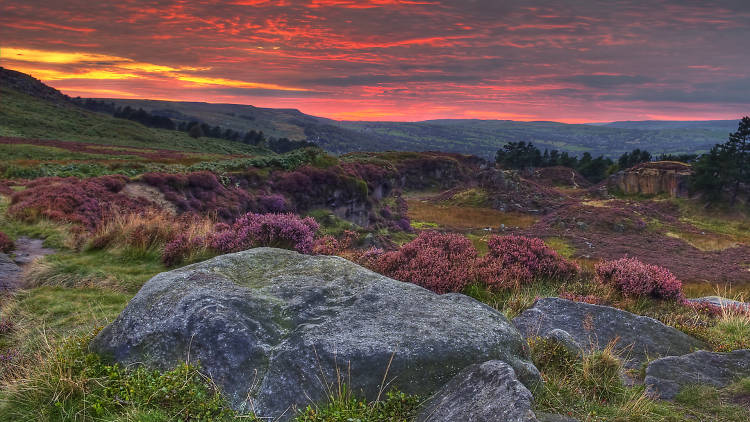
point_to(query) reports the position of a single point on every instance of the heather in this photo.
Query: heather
(449, 262)
(6, 243)
(634, 278)
(275, 230)
(441, 262)
(516, 260)
(70, 200)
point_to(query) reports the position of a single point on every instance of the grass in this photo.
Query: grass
(705, 242)
(733, 224)
(103, 268)
(28, 117)
(474, 197)
(561, 246)
(465, 218)
(74, 384)
(590, 388)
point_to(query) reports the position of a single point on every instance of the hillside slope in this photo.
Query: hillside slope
(30, 109)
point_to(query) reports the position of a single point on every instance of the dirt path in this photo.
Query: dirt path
(11, 267)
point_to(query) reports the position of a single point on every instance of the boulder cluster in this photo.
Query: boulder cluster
(277, 330)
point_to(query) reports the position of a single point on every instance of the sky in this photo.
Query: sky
(572, 61)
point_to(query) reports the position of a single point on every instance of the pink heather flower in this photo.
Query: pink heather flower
(276, 230)
(634, 278)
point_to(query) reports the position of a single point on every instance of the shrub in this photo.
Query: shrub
(277, 230)
(634, 278)
(517, 260)
(440, 262)
(6, 244)
(181, 248)
(326, 245)
(79, 201)
(201, 193)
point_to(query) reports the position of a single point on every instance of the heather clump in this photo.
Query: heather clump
(86, 202)
(441, 262)
(202, 193)
(518, 260)
(634, 278)
(251, 230)
(6, 243)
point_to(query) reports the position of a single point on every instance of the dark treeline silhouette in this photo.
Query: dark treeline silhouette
(194, 128)
(726, 167)
(521, 155)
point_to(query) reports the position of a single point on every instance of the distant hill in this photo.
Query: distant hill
(479, 137)
(31, 109)
(719, 125)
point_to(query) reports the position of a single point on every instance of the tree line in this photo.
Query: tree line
(725, 169)
(193, 128)
(522, 155)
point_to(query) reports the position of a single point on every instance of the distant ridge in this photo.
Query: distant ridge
(467, 136)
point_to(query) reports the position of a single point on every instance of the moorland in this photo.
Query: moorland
(92, 206)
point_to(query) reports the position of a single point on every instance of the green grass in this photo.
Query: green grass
(474, 197)
(73, 384)
(28, 117)
(115, 269)
(561, 246)
(590, 388)
(330, 224)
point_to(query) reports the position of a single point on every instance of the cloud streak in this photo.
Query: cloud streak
(565, 60)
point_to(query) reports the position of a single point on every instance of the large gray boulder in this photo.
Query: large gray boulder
(486, 392)
(594, 326)
(665, 377)
(271, 327)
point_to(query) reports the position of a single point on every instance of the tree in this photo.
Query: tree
(195, 131)
(518, 155)
(726, 166)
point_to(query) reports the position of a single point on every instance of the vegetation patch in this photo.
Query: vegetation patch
(465, 218)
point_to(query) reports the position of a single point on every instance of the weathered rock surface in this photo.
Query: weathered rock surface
(722, 302)
(486, 392)
(594, 326)
(665, 377)
(661, 177)
(272, 326)
(9, 273)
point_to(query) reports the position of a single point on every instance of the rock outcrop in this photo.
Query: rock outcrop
(272, 327)
(722, 302)
(486, 392)
(665, 377)
(661, 177)
(594, 326)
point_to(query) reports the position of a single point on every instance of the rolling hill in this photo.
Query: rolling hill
(479, 137)
(31, 109)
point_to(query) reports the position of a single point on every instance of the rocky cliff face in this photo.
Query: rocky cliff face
(661, 177)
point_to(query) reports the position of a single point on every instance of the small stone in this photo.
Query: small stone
(487, 392)
(665, 377)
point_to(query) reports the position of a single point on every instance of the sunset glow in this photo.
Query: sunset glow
(570, 61)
